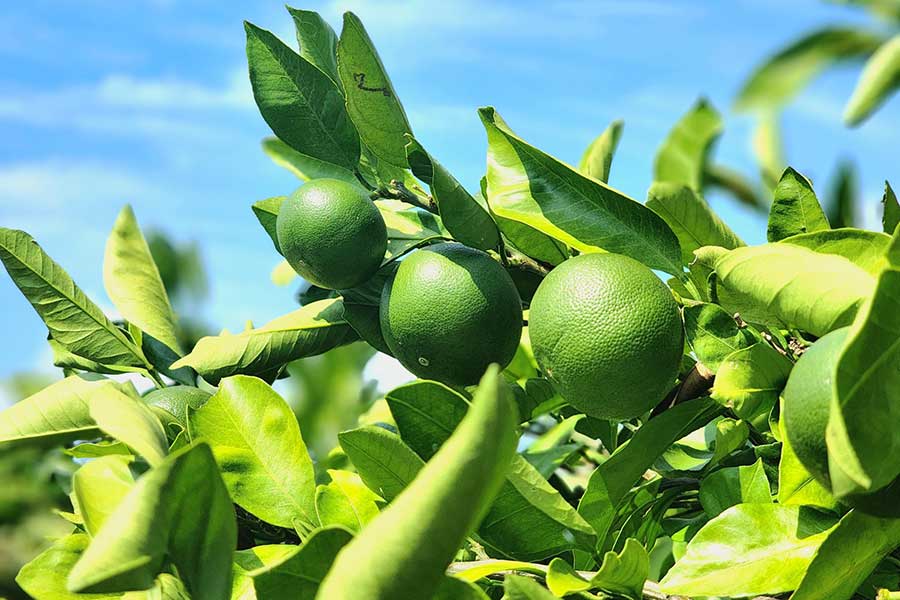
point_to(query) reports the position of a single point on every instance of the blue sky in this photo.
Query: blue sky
(104, 102)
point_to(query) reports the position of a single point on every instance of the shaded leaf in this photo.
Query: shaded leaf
(683, 155)
(517, 587)
(384, 462)
(730, 486)
(317, 41)
(620, 573)
(346, 501)
(302, 166)
(597, 158)
(44, 578)
(796, 485)
(749, 380)
(891, 214)
(713, 334)
(795, 209)
(99, 486)
(266, 212)
(843, 197)
(131, 422)
(879, 79)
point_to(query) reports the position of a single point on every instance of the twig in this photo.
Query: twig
(397, 190)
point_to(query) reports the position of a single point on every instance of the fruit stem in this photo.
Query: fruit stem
(516, 259)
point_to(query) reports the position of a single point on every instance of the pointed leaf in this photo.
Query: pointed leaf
(44, 578)
(891, 214)
(371, 100)
(620, 573)
(256, 440)
(266, 212)
(383, 461)
(133, 283)
(346, 501)
(796, 209)
(713, 334)
(683, 155)
(529, 186)
(302, 166)
(597, 158)
(879, 79)
(730, 486)
(796, 486)
(301, 104)
(308, 331)
(317, 41)
(73, 320)
(99, 487)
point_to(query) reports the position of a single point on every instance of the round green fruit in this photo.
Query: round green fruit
(608, 333)
(449, 312)
(331, 234)
(807, 403)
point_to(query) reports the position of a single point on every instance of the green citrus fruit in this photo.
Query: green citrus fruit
(331, 233)
(449, 312)
(608, 333)
(807, 403)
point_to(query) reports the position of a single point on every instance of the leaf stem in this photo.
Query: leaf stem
(397, 190)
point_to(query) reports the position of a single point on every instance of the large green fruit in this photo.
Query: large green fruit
(331, 233)
(807, 403)
(449, 312)
(608, 334)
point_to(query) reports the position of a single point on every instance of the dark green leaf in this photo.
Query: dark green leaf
(796, 209)
(301, 104)
(683, 155)
(730, 486)
(302, 166)
(531, 187)
(891, 214)
(879, 79)
(317, 41)
(597, 158)
(843, 197)
(371, 100)
(517, 587)
(266, 212)
(302, 570)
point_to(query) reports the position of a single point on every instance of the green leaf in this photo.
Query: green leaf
(789, 286)
(691, 219)
(346, 501)
(730, 435)
(623, 573)
(517, 587)
(611, 481)
(713, 334)
(73, 320)
(683, 155)
(796, 486)
(861, 438)
(787, 72)
(317, 41)
(479, 569)
(302, 570)
(408, 226)
(749, 380)
(253, 561)
(385, 463)
(843, 196)
(56, 415)
(371, 100)
(266, 212)
(451, 588)
(178, 510)
(463, 217)
(891, 214)
(131, 422)
(44, 578)
(770, 555)
(531, 187)
(404, 552)
(174, 402)
(529, 519)
(795, 209)
(302, 166)
(865, 249)
(734, 183)
(133, 282)
(301, 104)
(256, 440)
(99, 486)
(879, 79)
(768, 148)
(597, 158)
(307, 331)
(848, 556)
(730, 486)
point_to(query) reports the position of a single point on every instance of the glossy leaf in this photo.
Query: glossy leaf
(44, 578)
(796, 486)
(691, 219)
(865, 249)
(463, 217)
(307, 331)
(317, 41)
(517, 587)
(371, 99)
(302, 570)
(384, 462)
(770, 555)
(861, 439)
(620, 573)
(73, 319)
(796, 209)
(133, 282)
(848, 556)
(180, 510)
(302, 166)
(257, 444)
(787, 72)
(531, 187)
(301, 104)
(682, 157)
(405, 550)
(131, 422)
(730, 486)
(346, 501)
(783, 284)
(749, 380)
(99, 486)
(891, 214)
(713, 334)
(879, 79)
(597, 158)
(254, 561)
(266, 212)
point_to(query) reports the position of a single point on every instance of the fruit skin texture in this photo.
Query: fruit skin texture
(807, 403)
(608, 333)
(331, 234)
(403, 552)
(449, 312)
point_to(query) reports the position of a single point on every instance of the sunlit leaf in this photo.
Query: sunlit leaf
(879, 79)
(597, 158)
